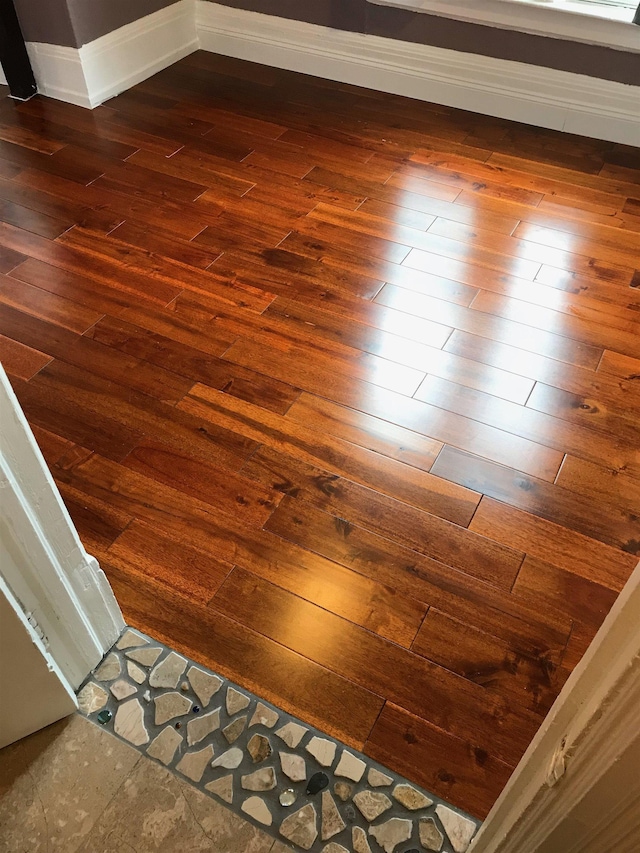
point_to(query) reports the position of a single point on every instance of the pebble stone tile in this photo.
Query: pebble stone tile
(306, 789)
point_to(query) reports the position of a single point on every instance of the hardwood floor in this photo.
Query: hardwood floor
(342, 390)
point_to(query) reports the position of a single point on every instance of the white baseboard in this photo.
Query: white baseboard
(89, 75)
(544, 97)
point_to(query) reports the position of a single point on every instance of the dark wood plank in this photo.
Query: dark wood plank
(289, 680)
(528, 680)
(606, 521)
(20, 360)
(545, 540)
(407, 679)
(309, 448)
(142, 551)
(450, 767)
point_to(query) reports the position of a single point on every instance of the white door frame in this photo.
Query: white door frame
(62, 588)
(547, 805)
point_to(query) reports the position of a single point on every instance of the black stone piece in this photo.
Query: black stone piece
(104, 717)
(317, 783)
(196, 709)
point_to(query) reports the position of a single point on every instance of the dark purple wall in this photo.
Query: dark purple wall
(360, 16)
(76, 22)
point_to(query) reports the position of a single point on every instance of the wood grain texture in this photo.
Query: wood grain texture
(342, 390)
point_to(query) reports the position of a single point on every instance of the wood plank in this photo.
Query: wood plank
(344, 497)
(621, 421)
(196, 364)
(393, 479)
(584, 600)
(624, 340)
(450, 767)
(503, 330)
(47, 306)
(409, 680)
(367, 431)
(599, 481)
(537, 426)
(84, 353)
(550, 371)
(20, 360)
(606, 521)
(531, 681)
(228, 492)
(547, 541)
(142, 415)
(282, 677)
(142, 551)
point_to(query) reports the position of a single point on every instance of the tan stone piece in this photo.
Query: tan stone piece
(300, 827)
(411, 798)
(164, 746)
(332, 822)
(372, 804)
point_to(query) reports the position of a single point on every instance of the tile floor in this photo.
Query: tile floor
(228, 772)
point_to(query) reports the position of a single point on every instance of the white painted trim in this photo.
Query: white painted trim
(592, 23)
(540, 96)
(46, 567)
(590, 732)
(33, 690)
(89, 75)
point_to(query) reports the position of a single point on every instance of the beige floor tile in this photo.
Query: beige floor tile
(56, 783)
(155, 812)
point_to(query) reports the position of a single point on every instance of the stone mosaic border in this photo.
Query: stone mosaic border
(308, 790)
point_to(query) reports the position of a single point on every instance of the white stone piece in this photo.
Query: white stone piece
(300, 827)
(359, 839)
(129, 723)
(334, 847)
(262, 780)
(350, 767)
(170, 705)
(293, 766)
(135, 673)
(393, 832)
(92, 698)
(235, 701)
(258, 810)
(377, 779)
(292, 734)
(108, 669)
(147, 656)
(204, 684)
(193, 764)
(199, 727)
(121, 689)
(222, 787)
(230, 759)
(372, 804)
(332, 822)
(263, 716)
(430, 836)
(163, 747)
(130, 639)
(411, 798)
(167, 673)
(324, 751)
(459, 829)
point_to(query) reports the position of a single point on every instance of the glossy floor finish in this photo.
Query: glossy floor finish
(341, 389)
